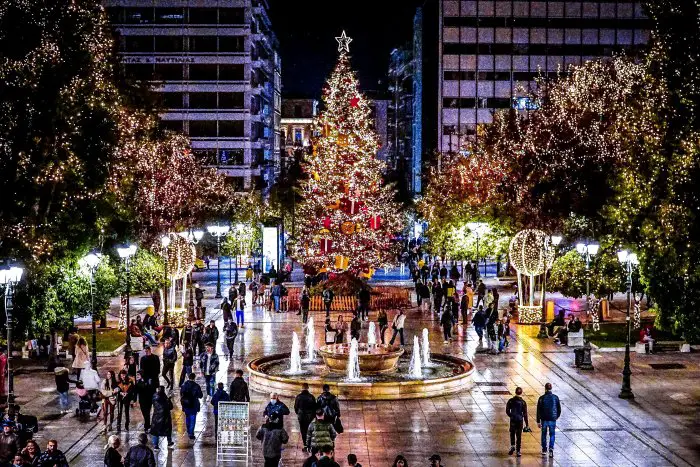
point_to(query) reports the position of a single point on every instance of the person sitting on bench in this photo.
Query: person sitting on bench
(562, 335)
(645, 336)
(559, 321)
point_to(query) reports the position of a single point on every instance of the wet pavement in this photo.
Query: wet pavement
(660, 427)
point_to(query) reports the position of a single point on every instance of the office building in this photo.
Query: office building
(216, 68)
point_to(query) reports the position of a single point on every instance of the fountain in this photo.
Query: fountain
(353, 362)
(310, 341)
(371, 334)
(415, 369)
(426, 348)
(295, 357)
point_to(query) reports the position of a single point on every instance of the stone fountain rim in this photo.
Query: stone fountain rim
(290, 387)
(396, 352)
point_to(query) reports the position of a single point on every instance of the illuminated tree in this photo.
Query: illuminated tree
(348, 216)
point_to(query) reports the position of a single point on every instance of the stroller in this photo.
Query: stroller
(88, 393)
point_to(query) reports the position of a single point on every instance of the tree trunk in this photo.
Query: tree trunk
(155, 296)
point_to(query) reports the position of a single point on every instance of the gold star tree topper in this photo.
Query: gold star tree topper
(343, 43)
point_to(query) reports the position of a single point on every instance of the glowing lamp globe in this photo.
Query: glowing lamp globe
(531, 252)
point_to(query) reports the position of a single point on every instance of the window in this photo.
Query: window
(172, 125)
(231, 100)
(139, 71)
(237, 183)
(202, 16)
(231, 128)
(138, 15)
(203, 128)
(202, 43)
(573, 9)
(115, 15)
(169, 72)
(202, 100)
(170, 16)
(203, 72)
(231, 16)
(206, 156)
(297, 111)
(231, 44)
(169, 44)
(171, 100)
(231, 72)
(297, 136)
(138, 43)
(232, 156)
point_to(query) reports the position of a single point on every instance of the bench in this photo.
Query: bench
(575, 339)
(641, 347)
(668, 346)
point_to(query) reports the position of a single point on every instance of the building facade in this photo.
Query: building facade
(486, 50)
(400, 81)
(217, 71)
(297, 124)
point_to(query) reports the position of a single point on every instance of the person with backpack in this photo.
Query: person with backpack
(321, 432)
(516, 409)
(190, 393)
(230, 333)
(328, 402)
(273, 437)
(548, 412)
(238, 392)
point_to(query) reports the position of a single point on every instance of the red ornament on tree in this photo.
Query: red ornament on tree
(375, 222)
(350, 206)
(354, 101)
(326, 245)
(327, 222)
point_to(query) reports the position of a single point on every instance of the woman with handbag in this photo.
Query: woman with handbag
(108, 391)
(82, 357)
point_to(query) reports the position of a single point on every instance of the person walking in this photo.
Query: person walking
(273, 437)
(240, 311)
(230, 334)
(190, 393)
(140, 455)
(144, 393)
(327, 458)
(446, 322)
(479, 322)
(275, 410)
(355, 327)
(480, 293)
(108, 391)
(150, 366)
(327, 299)
(169, 360)
(112, 456)
(162, 420)
(516, 409)
(397, 327)
(238, 392)
(226, 306)
(197, 337)
(437, 297)
(304, 304)
(124, 399)
(276, 294)
(383, 322)
(313, 456)
(491, 329)
(548, 412)
(352, 461)
(363, 298)
(187, 364)
(328, 402)
(186, 336)
(305, 408)
(320, 433)
(209, 365)
(219, 396)
(82, 358)
(211, 333)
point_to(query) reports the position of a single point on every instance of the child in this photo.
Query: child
(62, 386)
(501, 336)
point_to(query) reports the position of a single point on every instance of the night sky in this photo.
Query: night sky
(306, 30)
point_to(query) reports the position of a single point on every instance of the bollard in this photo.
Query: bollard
(583, 357)
(543, 331)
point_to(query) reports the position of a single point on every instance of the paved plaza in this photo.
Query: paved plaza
(660, 427)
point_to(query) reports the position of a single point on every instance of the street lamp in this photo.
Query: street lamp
(628, 259)
(218, 231)
(165, 243)
(587, 250)
(126, 253)
(89, 264)
(479, 229)
(9, 278)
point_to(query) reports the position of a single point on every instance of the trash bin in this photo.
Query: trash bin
(578, 357)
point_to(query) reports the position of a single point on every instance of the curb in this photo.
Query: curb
(113, 353)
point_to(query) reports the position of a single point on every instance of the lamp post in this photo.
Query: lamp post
(628, 259)
(9, 278)
(126, 253)
(587, 250)
(218, 231)
(165, 243)
(479, 229)
(194, 236)
(89, 264)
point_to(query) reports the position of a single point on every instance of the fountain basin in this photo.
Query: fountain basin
(449, 375)
(374, 359)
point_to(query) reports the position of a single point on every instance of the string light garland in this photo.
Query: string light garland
(531, 252)
(348, 216)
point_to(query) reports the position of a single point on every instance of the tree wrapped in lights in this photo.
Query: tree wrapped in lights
(348, 216)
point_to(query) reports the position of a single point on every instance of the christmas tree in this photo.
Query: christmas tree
(348, 216)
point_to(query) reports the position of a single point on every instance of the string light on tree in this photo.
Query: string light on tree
(531, 253)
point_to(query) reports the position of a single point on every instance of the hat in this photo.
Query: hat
(8, 423)
(435, 457)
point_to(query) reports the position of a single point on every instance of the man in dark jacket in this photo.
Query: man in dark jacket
(186, 336)
(52, 456)
(230, 334)
(480, 293)
(144, 393)
(479, 322)
(198, 337)
(446, 322)
(516, 409)
(355, 327)
(275, 411)
(211, 333)
(548, 412)
(239, 388)
(150, 365)
(305, 408)
(198, 295)
(327, 299)
(363, 297)
(329, 404)
(190, 393)
(140, 455)
(209, 365)
(492, 313)
(219, 396)
(169, 360)
(326, 459)
(9, 443)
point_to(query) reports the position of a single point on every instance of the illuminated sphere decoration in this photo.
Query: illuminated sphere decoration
(181, 257)
(531, 252)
